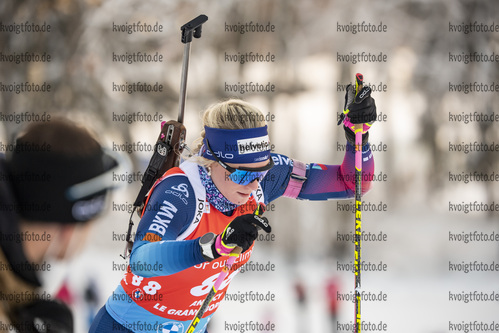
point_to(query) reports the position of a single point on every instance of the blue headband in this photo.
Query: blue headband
(249, 145)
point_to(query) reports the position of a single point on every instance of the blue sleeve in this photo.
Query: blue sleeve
(275, 182)
(323, 182)
(326, 182)
(170, 209)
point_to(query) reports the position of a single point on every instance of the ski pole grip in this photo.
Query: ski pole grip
(193, 28)
(260, 209)
(357, 128)
(359, 80)
(234, 254)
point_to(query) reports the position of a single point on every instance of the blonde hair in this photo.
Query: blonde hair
(229, 114)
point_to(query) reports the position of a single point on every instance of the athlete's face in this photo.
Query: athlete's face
(235, 193)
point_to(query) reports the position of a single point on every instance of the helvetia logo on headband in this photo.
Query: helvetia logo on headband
(253, 145)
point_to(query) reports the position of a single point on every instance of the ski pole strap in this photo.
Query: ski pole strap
(296, 180)
(228, 265)
(216, 285)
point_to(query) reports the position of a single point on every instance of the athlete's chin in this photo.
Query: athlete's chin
(240, 198)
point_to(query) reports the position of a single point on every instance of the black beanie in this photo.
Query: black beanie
(56, 186)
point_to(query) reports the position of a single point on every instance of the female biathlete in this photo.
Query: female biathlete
(197, 213)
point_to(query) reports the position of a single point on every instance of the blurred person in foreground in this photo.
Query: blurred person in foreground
(199, 212)
(53, 183)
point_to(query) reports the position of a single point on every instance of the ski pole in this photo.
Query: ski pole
(221, 277)
(234, 254)
(358, 128)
